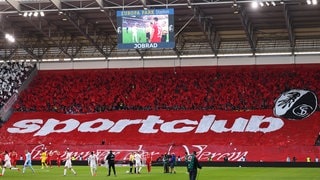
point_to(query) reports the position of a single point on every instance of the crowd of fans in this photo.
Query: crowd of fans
(220, 88)
(12, 75)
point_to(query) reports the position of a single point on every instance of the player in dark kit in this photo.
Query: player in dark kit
(111, 161)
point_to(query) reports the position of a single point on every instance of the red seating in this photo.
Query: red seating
(222, 88)
(196, 88)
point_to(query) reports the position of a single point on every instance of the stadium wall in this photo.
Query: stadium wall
(182, 62)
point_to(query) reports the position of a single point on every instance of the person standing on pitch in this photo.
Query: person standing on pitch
(58, 158)
(111, 162)
(68, 164)
(131, 162)
(27, 162)
(186, 155)
(172, 162)
(193, 165)
(49, 158)
(138, 160)
(165, 163)
(93, 161)
(148, 162)
(43, 157)
(156, 33)
(7, 163)
(134, 31)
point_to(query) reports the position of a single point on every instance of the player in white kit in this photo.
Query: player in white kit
(7, 163)
(93, 161)
(138, 159)
(68, 164)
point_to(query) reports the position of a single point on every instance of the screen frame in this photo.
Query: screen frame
(164, 17)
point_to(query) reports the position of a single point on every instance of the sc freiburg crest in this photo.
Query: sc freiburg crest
(295, 104)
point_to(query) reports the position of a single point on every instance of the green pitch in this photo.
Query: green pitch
(127, 36)
(207, 173)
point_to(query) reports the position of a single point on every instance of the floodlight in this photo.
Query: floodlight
(254, 4)
(314, 2)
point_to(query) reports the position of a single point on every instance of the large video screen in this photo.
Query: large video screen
(142, 29)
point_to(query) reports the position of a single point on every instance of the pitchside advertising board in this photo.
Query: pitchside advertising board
(143, 29)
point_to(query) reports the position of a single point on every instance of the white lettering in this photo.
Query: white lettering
(150, 125)
(219, 126)
(26, 126)
(121, 124)
(169, 127)
(87, 126)
(256, 121)
(236, 156)
(204, 152)
(205, 124)
(37, 150)
(239, 125)
(145, 45)
(201, 148)
(216, 156)
(51, 124)
(204, 155)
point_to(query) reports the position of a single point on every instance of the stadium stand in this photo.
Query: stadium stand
(159, 110)
(12, 75)
(229, 88)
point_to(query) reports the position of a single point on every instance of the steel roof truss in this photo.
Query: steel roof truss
(207, 28)
(74, 19)
(15, 4)
(248, 28)
(289, 26)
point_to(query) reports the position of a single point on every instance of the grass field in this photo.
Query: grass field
(207, 173)
(127, 36)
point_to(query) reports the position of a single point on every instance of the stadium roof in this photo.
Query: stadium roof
(71, 29)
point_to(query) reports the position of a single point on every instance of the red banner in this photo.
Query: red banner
(258, 135)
